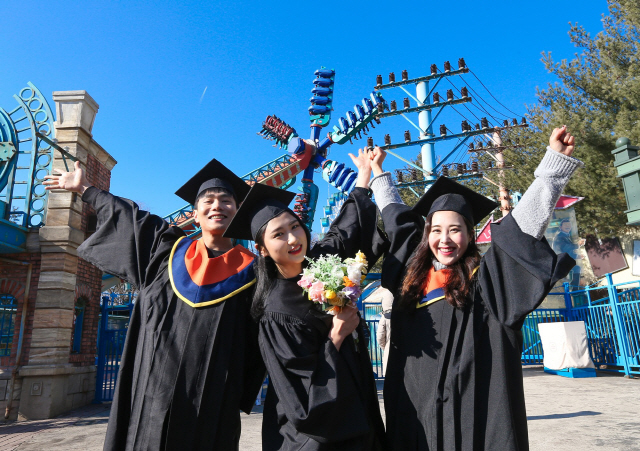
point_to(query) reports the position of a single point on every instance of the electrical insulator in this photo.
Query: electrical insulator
(378, 80)
(445, 171)
(369, 141)
(523, 121)
(436, 97)
(490, 163)
(399, 175)
(405, 75)
(387, 140)
(414, 174)
(477, 126)
(474, 166)
(465, 126)
(447, 66)
(464, 92)
(434, 69)
(505, 123)
(394, 106)
(461, 63)
(514, 122)
(449, 94)
(484, 123)
(443, 130)
(460, 168)
(407, 136)
(392, 77)
(490, 144)
(405, 103)
(471, 147)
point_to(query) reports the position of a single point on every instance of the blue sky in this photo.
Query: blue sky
(148, 63)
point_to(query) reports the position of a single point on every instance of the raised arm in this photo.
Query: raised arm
(535, 209)
(403, 227)
(127, 239)
(355, 228)
(520, 268)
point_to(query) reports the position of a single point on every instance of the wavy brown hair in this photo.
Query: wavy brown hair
(459, 281)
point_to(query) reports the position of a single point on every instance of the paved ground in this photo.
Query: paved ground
(564, 414)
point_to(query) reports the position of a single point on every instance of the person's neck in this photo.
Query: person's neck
(287, 272)
(217, 242)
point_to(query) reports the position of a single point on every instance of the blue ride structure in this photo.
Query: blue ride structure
(307, 156)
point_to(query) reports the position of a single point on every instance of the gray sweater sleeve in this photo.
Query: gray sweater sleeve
(534, 211)
(384, 191)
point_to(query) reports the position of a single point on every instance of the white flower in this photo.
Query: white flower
(354, 272)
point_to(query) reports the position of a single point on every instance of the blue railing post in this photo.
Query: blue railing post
(619, 325)
(568, 303)
(101, 350)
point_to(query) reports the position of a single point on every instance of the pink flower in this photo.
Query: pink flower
(306, 281)
(316, 292)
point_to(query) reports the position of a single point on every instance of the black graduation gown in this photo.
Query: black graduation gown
(320, 398)
(454, 377)
(185, 371)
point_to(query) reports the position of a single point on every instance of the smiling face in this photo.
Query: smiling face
(448, 236)
(565, 227)
(214, 211)
(285, 241)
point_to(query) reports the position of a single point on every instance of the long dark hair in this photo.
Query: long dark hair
(458, 284)
(266, 270)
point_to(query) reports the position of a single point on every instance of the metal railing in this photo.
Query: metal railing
(611, 314)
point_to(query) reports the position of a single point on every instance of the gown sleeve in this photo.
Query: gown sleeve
(404, 229)
(317, 393)
(126, 238)
(254, 368)
(355, 229)
(518, 271)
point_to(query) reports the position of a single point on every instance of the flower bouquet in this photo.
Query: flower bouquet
(334, 283)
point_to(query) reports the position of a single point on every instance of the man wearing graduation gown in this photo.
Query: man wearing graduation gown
(320, 397)
(454, 378)
(190, 361)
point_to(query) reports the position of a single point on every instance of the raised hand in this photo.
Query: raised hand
(363, 160)
(363, 163)
(562, 141)
(75, 181)
(377, 157)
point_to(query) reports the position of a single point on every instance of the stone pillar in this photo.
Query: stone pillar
(51, 384)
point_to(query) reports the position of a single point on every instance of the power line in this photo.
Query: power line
(479, 106)
(487, 89)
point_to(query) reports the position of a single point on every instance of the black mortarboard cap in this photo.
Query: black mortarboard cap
(213, 175)
(445, 194)
(262, 204)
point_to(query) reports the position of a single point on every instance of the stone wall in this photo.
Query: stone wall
(52, 378)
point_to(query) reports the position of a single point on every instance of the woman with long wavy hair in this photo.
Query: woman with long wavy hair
(454, 377)
(322, 394)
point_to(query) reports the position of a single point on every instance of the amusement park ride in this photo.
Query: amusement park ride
(27, 144)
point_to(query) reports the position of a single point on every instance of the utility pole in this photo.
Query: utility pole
(505, 199)
(429, 107)
(428, 150)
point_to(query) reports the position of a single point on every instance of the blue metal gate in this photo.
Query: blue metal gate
(372, 317)
(611, 315)
(114, 321)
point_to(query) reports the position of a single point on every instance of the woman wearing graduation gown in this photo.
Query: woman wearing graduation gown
(322, 393)
(190, 361)
(454, 377)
